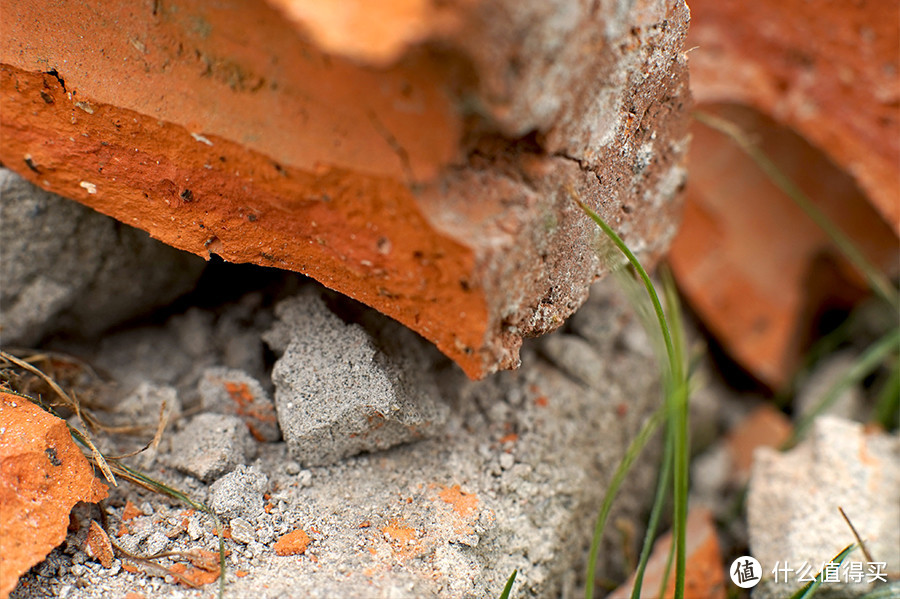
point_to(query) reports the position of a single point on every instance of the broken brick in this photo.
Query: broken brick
(427, 170)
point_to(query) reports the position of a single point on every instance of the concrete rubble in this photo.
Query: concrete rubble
(511, 479)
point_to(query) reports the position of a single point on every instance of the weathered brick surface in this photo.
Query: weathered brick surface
(817, 86)
(429, 178)
(827, 71)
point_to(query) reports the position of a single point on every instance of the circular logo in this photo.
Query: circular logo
(745, 572)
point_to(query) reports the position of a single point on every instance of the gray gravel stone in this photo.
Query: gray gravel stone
(211, 445)
(242, 531)
(338, 394)
(793, 501)
(234, 392)
(65, 267)
(239, 494)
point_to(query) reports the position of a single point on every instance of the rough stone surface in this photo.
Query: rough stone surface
(817, 87)
(793, 501)
(66, 268)
(210, 445)
(231, 391)
(239, 494)
(337, 394)
(432, 179)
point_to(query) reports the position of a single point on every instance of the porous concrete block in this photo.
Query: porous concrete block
(231, 391)
(239, 494)
(210, 445)
(67, 268)
(338, 394)
(793, 500)
(422, 160)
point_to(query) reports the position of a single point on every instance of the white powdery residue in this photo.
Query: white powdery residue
(201, 139)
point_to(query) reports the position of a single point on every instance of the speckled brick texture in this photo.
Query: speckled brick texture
(430, 178)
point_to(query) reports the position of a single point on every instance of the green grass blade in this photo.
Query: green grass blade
(509, 585)
(634, 450)
(645, 278)
(864, 365)
(887, 406)
(812, 586)
(876, 279)
(662, 487)
(675, 409)
(667, 571)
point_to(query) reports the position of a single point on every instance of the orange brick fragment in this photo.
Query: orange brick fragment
(293, 543)
(98, 546)
(131, 511)
(191, 576)
(765, 427)
(399, 531)
(463, 503)
(704, 575)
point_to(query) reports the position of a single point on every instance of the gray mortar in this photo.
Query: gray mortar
(337, 394)
(537, 496)
(210, 445)
(65, 267)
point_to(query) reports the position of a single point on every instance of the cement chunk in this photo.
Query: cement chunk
(337, 394)
(211, 445)
(65, 268)
(239, 494)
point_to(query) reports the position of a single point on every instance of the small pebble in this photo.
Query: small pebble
(242, 531)
(507, 460)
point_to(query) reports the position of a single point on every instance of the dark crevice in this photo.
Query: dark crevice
(55, 74)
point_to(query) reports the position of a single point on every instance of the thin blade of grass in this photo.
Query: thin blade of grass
(676, 397)
(645, 278)
(631, 454)
(873, 275)
(128, 473)
(667, 572)
(659, 499)
(509, 585)
(810, 588)
(864, 365)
